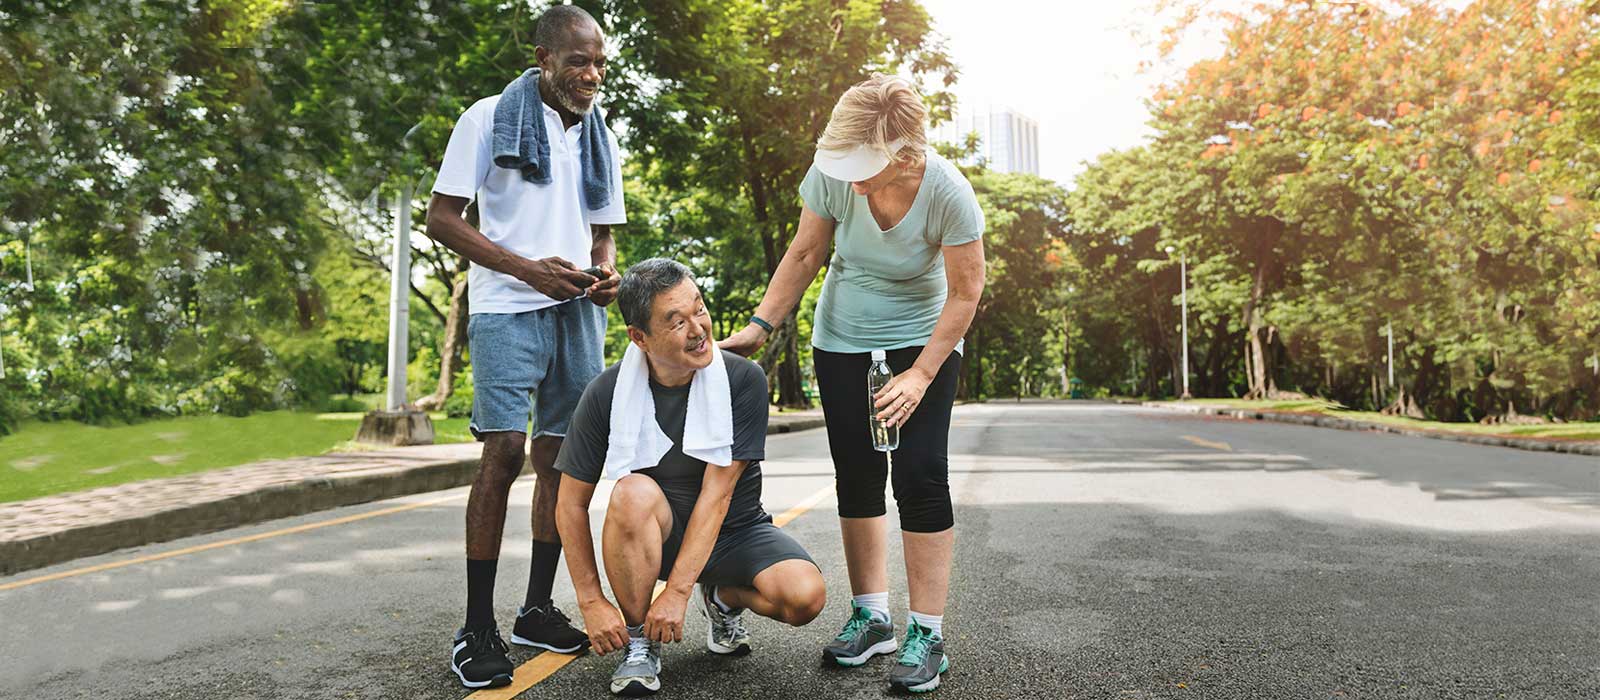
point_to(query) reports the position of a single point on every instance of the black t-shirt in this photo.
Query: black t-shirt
(583, 452)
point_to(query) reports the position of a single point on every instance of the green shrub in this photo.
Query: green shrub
(459, 405)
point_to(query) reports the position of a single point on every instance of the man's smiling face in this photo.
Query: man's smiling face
(574, 70)
(679, 336)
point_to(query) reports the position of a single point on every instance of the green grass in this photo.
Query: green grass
(1566, 431)
(49, 458)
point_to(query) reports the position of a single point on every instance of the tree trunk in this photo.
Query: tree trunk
(1249, 366)
(790, 380)
(1066, 353)
(773, 245)
(454, 342)
(1215, 380)
(973, 365)
(1261, 383)
(774, 351)
(1405, 404)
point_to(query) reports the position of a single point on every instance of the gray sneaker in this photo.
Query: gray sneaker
(640, 670)
(921, 661)
(725, 632)
(862, 638)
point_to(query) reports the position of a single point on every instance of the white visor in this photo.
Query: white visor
(857, 164)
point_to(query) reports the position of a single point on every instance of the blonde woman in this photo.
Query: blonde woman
(905, 278)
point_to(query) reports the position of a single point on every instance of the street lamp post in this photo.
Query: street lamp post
(400, 301)
(1183, 270)
(398, 422)
(1388, 330)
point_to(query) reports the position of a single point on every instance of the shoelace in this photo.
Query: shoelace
(859, 620)
(638, 651)
(733, 626)
(484, 641)
(554, 614)
(918, 641)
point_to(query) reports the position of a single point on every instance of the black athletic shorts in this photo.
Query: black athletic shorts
(737, 556)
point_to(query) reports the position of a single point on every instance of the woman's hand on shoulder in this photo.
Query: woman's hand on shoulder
(746, 342)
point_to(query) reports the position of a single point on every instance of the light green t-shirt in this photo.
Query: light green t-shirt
(886, 289)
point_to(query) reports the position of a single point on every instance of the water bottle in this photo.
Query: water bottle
(884, 438)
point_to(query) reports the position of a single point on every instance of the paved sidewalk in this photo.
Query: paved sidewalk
(44, 531)
(1579, 447)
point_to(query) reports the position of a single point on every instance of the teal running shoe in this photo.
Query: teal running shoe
(921, 661)
(863, 637)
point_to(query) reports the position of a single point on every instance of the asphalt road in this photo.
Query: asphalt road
(1102, 552)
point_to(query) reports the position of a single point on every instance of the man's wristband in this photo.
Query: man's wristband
(763, 323)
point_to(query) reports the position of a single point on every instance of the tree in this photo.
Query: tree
(1340, 169)
(153, 187)
(724, 102)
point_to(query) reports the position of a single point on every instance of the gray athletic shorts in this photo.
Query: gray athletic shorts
(534, 363)
(737, 556)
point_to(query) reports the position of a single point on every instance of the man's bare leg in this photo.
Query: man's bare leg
(790, 591)
(637, 522)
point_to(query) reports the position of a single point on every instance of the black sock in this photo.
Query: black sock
(542, 573)
(480, 593)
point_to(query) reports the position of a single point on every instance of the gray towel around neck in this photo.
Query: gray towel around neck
(521, 143)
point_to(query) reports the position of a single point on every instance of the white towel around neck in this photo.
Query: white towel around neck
(637, 441)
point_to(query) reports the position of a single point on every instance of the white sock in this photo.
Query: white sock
(934, 623)
(878, 603)
(636, 631)
(716, 597)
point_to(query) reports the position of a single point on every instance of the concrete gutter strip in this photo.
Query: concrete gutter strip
(53, 529)
(1577, 447)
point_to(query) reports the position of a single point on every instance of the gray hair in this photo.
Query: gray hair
(556, 25)
(642, 283)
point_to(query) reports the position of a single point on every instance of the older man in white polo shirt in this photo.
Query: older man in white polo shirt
(548, 191)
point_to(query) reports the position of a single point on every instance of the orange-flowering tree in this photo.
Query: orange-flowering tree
(1342, 169)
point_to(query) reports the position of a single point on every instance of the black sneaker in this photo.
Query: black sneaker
(479, 658)
(547, 627)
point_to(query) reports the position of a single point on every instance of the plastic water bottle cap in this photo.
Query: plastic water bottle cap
(878, 355)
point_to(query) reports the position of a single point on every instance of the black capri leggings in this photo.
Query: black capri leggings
(921, 464)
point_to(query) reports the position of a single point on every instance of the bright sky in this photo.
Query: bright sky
(1072, 66)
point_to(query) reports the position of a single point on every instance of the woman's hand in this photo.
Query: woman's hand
(746, 342)
(898, 399)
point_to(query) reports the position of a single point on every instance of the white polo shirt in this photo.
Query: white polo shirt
(533, 221)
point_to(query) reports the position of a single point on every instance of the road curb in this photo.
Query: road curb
(1321, 421)
(795, 426)
(314, 493)
(278, 501)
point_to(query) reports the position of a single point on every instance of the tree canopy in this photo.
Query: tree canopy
(1341, 170)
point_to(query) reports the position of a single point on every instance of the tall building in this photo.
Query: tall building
(1008, 139)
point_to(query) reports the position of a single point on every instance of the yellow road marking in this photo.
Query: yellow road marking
(1208, 443)
(538, 668)
(224, 543)
(803, 506)
(545, 664)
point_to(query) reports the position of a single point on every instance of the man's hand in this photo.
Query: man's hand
(603, 292)
(607, 631)
(664, 623)
(555, 278)
(746, 342)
